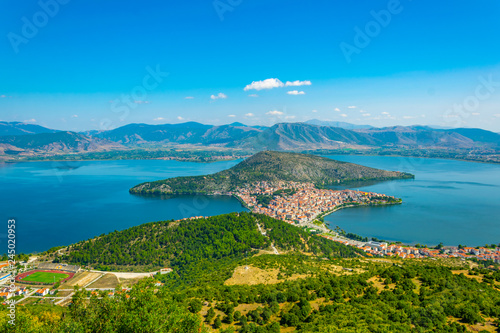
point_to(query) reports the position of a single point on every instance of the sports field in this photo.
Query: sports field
(45, 277)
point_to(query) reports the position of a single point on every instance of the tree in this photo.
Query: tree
(210, 315)
(217, 322)
(195, 305)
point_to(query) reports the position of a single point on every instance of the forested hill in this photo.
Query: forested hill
(271, 166)
(190, 247)
(209, 290)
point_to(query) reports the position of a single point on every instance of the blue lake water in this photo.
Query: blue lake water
(59, 203)
(453, 202)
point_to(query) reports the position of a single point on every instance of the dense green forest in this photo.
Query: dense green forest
(270, 166)
(193, 246)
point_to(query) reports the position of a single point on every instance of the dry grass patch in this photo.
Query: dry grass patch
(380, 285)
(28, 301)
(250, 275)
(479, 278)
(107, 281)
(80, 279)
(63, 293)
(126, 283)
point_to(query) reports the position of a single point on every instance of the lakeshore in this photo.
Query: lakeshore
(444, 197)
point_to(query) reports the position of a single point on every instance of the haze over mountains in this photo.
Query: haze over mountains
(18, 128)
(315, 134)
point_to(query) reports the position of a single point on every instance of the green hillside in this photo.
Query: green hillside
(312, 285)
(271, 166)
(205, 245)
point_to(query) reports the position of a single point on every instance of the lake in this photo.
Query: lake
(453, 202)
(59, 203)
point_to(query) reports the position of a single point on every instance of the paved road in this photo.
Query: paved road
(130, 275)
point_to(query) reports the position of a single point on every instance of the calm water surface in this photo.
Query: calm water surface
(59, 203)
(453, 202)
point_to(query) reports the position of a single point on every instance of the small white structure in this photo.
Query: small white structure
(165, 270)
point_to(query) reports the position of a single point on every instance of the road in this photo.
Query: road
(131, 275)
(264, 234)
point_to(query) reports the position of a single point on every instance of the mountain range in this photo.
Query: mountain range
(315, 134)
(18, 128)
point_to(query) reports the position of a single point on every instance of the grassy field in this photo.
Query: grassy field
(45, 277)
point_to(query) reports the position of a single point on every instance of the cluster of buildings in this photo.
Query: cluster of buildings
(480, 253)
(7, 293)
(305, 204)
(408, 252)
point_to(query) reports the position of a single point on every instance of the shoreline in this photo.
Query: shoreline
(236, 158)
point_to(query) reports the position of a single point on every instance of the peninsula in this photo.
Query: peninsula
(291, 187)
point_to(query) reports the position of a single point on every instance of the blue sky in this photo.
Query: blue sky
(78, 65)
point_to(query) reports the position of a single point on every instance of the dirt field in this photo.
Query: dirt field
(107, 281)
(80, 279)
(126, 283)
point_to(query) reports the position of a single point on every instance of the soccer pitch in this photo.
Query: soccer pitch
(45, 277)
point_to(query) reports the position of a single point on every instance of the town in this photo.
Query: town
(303, 202)
(373, 248)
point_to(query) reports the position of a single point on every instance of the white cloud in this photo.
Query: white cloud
(189, 97)
(253, 95)
(409, 117)
(296, 92)
(275, 83)
(231, 115)
(32, 120)
(366, 114)
(74, 116)
(218, 96)
(298, 83)
(2, 96)
(249, 114)
(343, 115)
(180, 118)
(275, 113)
(314, 111)
(290, 117)
(265, 84)
(141, 102)
(159, 119)
(362, 111)
(496, 115)
(475, 113)
(351, 107)
(385, 113)
(337, 109)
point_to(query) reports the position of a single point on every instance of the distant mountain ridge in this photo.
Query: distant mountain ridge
(296, 136)
(59, 142)
(19, 128)
(185, 133)
(281, 137)
(340, 124)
